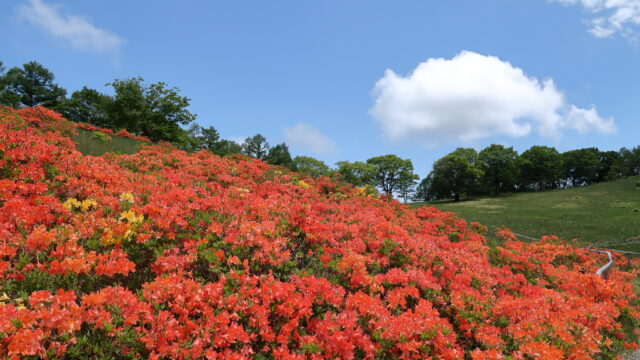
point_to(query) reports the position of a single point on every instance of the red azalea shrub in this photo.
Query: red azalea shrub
(164, 254)
(124, 133)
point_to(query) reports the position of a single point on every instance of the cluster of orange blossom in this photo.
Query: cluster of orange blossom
(168, 255)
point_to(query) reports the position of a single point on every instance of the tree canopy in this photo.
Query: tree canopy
(310, 166)
(455, 174)
(357, 173)
(255, 146)
(88, 106)
(389, 171)
(499, 165)
(153, 110)
(541, 167)
(28, 86)
(580, 167)
(280, 155)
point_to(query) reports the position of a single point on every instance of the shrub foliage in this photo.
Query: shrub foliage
(169, 255)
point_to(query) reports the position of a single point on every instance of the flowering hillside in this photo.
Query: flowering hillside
(164, 254)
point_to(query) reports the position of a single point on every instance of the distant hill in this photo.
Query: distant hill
(606, 214)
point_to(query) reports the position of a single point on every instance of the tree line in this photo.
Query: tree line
(160, 113)
(498, 169)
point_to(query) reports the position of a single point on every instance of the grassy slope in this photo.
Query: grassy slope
(89, 145)
(602, 214)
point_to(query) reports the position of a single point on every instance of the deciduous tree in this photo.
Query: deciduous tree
(580, 167)
(390, 171)
(499, 165)
(154, 110)
(540, 167)
(88, 106)
(422, 190)
(310, 166)
(357, 173)
(456, 174)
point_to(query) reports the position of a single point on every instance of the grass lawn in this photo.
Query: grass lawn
(88, 144)
(604, 214)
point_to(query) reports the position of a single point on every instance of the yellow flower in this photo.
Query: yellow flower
(127, 197)
(74, 204)
(107, 238)
(71, 204)
(303, 184)
(88, 204)
(131, 217)
(367, 190)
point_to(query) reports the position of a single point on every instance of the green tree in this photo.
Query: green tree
(310, 166)
(629, 162)
(499, 165)
(607, 159)
(227, 147)
(390, 171)
(194, 141)
(422, 190)
(540, 167)
(407, 186)
(154, 110)
(255, 146)
(280, 155)
(455, 174)
(210, 138)
(2, 84)
(199, 138)
(31, 85)
(86, 105)
(357, 173)
(580, 167)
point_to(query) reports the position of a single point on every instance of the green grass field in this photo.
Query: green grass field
(606, 214)
(89, 144)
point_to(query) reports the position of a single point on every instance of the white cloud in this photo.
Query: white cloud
(238, 139)
(74, 29)
(473, 96)
(306, 137)
(585, 120)
(610, 16)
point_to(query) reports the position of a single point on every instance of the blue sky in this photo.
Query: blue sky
(348, 80)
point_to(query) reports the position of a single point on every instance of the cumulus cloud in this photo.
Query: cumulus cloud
(473, 96)
(610, 16)
(308, 138)
(238, 139)
(75, 30)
